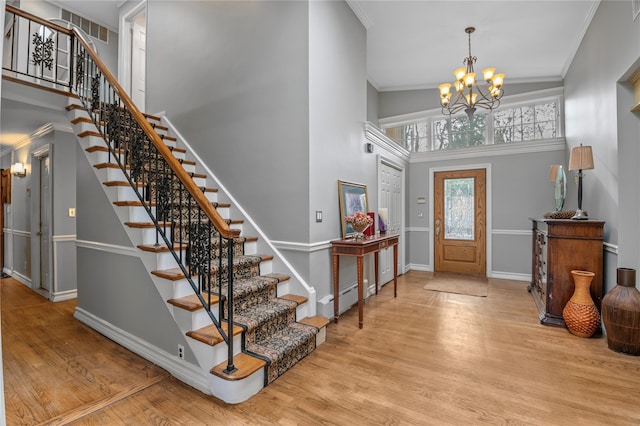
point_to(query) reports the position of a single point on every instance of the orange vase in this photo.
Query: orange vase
(580, 313)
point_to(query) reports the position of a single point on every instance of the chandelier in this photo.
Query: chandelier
(469, 95)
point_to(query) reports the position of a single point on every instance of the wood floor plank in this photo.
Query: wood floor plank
(423, 358)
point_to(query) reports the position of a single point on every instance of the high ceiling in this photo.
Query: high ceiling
(417, 44)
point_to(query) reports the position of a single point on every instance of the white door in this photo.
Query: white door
(44, 233)
(390, 198)
(138, 63)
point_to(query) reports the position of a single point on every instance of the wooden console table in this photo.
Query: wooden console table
(360, 248)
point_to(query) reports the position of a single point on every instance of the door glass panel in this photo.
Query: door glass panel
(459, 215)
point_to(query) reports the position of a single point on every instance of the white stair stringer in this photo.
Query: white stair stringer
(230, 391)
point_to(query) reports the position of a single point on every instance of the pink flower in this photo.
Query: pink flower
(358, 219)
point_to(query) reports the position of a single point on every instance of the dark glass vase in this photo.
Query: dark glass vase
(621, 314)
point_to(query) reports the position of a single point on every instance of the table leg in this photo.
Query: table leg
(375, 257)
(360, 291)
(336, 287)
(395, 270)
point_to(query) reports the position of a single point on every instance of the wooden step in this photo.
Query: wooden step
(81, 120)
(317, 321)
(133, 203)
(294, 298)
(109, 166)
(168, 138)
(210, 335)
(191, 303)
(144, 225)
(245, 366)
(88, 133)
(279, 277)
(173, 274)
(161, 248)
(111, 183)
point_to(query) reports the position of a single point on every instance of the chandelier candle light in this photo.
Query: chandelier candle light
(469, 94)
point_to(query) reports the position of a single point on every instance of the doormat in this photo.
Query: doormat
(469, 285)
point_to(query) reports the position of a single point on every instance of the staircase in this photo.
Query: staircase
(271, 329)
(245, 323)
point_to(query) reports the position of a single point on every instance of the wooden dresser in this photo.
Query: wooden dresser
(560, 246)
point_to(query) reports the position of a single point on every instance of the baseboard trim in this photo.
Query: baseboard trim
(61, 296)
(510, 276)
(184, 371)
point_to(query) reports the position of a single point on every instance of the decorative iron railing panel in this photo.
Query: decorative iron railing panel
(184, 219)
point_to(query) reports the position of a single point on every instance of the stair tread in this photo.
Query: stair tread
(210, 335)
(279, 277)
(172, 274)
(146, 224)
(133, 203)
(245, 366)
(317, 321)
(294, 298)
(87, 133)
(81, 120)
(192, 302)
(161, 248)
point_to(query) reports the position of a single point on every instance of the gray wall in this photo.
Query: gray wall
(520, 190)
(337, 112)
(236, 85)
(597, 113)
(372, 104)
(276, 109)
(391, 103)
(21, 218)
(113, 285)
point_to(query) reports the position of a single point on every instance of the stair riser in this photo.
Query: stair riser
(250, 247)
(97, 157)
(123, 193)
(160, 261)
(110, 174)
(200, 181)
(89, 141)
(214, 355)
(223, 211)
(188, 320)
(172, 289)
(211, 196)
(233, 392)
(139, 213)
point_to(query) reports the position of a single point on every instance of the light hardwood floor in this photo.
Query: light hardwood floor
(424, 358)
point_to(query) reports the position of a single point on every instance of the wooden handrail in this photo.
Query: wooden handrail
(40, 21)
(206, 206)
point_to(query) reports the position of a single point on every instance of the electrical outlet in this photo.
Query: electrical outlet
(180, 351)
(72, 212)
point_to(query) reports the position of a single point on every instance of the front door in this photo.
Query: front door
(460, 221)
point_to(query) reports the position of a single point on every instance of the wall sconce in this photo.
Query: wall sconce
(581, 159)
(19, 170)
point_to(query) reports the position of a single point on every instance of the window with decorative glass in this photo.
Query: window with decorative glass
(533, 120)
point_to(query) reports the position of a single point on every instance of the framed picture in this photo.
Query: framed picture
(353, 199)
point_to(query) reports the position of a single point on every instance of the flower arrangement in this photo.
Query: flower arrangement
(359, 221)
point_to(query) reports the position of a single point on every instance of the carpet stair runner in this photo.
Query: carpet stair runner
(271, 336)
